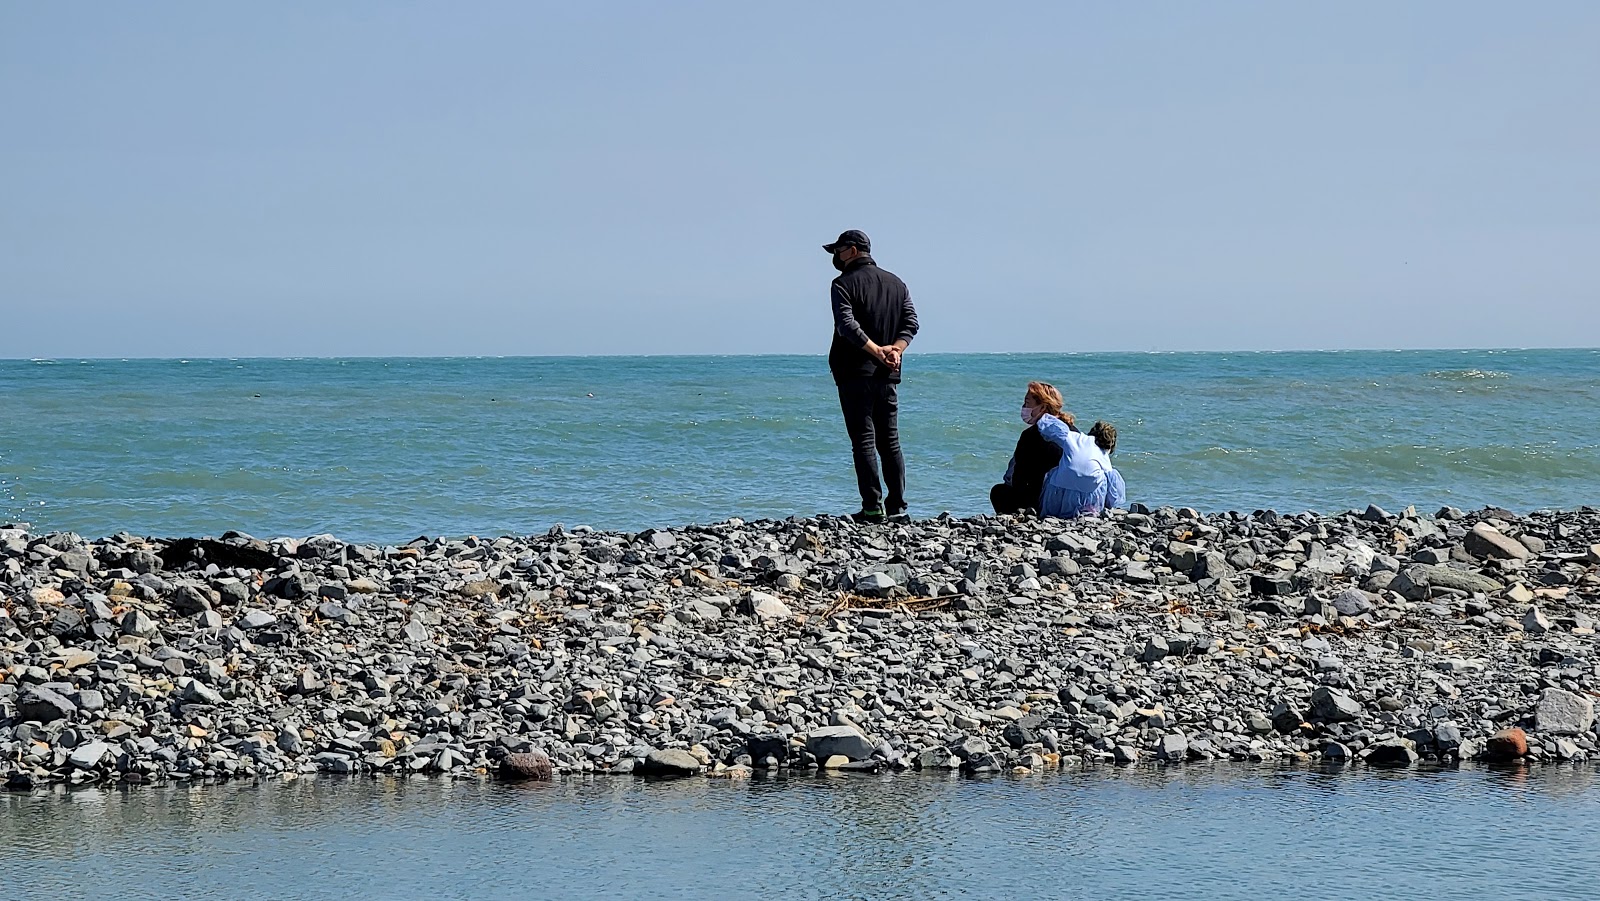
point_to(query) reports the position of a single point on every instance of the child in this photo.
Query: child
(1105, 435)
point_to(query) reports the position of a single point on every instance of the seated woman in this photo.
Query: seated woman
(1105, 435)
(1080, 484)
(1033, 457)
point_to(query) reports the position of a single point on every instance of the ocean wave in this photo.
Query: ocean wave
(1467, 375)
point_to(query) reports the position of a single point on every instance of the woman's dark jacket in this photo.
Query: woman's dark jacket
(1030, 462)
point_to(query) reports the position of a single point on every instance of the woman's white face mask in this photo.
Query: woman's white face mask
(1030, 414)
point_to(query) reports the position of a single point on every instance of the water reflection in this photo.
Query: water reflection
(1205, 831)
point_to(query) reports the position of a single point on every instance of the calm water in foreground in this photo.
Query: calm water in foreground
(1202, 832)
(385, 450)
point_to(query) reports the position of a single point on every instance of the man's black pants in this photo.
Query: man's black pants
(872, 416)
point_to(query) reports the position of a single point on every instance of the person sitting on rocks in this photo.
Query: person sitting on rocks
(1033, 457)
(1080, 485)
(1105, 435)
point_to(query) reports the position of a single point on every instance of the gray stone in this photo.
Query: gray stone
(44, 705)
(698, 611)
(1155, 648)
(288, 741)
(1485, 541)
(1447, 737)
(307, 683)
(1414, 581)
(1562, 712)
(1535, 622)
(1352, 602)
(1392, 752)
(1212, 565)
(826, 741)
(1174, 746)
(188, 600)
(89, 755)
(193, 691)
(1182, 556)
(1286, 718)
(1334, 706)
(137, 624)
(1269, 585)
(669, 763)
(764, 606)
(1059, 566)
(1138, 573)
(337, 613)
(874, 585)
(256, 619)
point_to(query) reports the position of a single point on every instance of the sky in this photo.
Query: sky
(508, 178)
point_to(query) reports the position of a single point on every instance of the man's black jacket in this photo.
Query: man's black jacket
(868, 302)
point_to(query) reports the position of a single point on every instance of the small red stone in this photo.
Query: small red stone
(1507, 743)
(534, 765)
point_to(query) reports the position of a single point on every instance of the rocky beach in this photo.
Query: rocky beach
(985, 645)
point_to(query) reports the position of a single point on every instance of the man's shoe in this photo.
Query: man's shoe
(869, 516)
(902, 516)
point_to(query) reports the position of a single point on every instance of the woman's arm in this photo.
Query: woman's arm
(1116, 489)
(1054, 430)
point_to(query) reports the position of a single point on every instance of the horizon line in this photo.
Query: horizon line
(643, 356)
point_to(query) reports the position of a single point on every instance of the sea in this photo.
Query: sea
(386, 450)
(1214, 831)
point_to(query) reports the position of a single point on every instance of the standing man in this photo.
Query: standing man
(873, 322)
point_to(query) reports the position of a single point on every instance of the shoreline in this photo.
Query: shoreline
(986, 645)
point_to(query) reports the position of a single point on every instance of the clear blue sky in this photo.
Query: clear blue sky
(188, 179)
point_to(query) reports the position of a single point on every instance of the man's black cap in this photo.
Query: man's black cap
(854, 236)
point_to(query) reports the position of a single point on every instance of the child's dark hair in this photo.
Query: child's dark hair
(1104, 434)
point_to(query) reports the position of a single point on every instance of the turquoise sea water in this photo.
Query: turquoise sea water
(1221, 831)
(387, 449)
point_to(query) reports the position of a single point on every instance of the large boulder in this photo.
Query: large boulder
(846, 740)
(1563, 712)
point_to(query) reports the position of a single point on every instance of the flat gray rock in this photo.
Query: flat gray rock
(669, 763)
(89, 755)
(826, 741)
